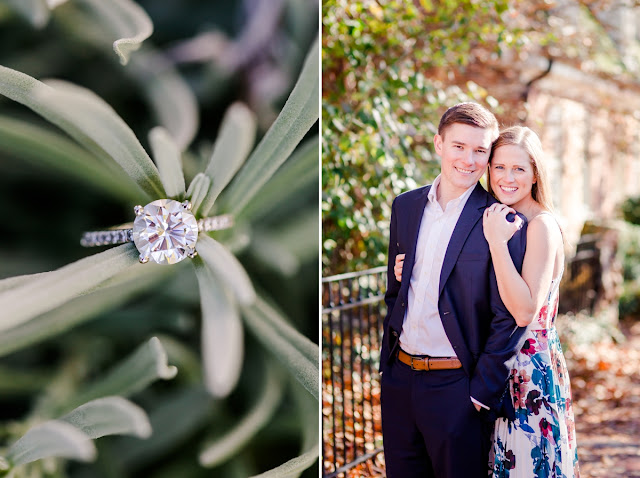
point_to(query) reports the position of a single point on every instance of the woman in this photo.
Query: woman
(541, 441)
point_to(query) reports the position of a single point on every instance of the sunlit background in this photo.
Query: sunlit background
(569, 70)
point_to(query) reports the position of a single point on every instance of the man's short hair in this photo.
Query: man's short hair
(472, 114)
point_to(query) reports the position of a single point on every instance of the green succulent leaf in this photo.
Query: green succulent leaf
(198, 190)
(307, 413)
(51, 439)
(16, 281)
(281, 325)
(176, 419)
(45, 292)
(227, 268)
(284, 248)
(221, 335)
(231, 148)
(36, 12)
(53, 151)
(299, 113)
(299, 173)
(110, 416)
(169, 96)
(167, 158)
(293, 467)
(126, 20)
(89, 120)
(146, 365)
(227, 445)
(285, 348)
(106, 297)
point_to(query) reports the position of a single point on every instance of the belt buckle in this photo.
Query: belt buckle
(424, 360)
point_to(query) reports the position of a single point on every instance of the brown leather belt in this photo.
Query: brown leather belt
(428, 363)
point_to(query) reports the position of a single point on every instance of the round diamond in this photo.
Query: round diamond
(165, 231)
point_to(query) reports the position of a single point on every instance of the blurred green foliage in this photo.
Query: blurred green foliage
(381, 107)
(390, 69)
(631, 210)
(629, 257)
(201, 58)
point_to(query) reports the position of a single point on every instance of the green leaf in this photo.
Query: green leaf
(48, 291)
(175, 420)
(13, 282)
(89, 120)
(19, 381)
(184, 357)
(45, 148)
(198, 190)
(124, 19)
(308, 415)
(146, 365)
(300, 235)
(281, 325)
(299, 113)
(169, 96)
(303, 368)
(231, 148)
(168, 161)
(52, 438)
(107, 296)
(299, 173)
(221, 336)
(36, 12)
(274, 254)
(110, 416)
(227, 268)
(227, 445)
(284, 248)
(293, 467)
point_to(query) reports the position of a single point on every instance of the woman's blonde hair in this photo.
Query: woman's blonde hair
(528, 140)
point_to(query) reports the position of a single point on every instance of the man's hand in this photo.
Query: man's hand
(478, 407)
(397, 268)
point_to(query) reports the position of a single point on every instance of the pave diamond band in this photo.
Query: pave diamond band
(122, 236)
(215, 223)
(105, 238)
(164, 231)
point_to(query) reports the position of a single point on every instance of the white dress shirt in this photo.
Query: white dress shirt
(422, 330)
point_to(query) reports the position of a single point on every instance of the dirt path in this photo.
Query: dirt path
(605, 379)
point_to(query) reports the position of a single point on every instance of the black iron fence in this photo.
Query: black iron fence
(581, 285)
(352, 315)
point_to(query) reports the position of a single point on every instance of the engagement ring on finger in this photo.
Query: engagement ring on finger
(164, 231)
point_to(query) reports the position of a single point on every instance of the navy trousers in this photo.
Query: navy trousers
(430, 427)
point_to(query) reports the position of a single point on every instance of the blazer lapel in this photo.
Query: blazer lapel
(470, 215)
(412, 231)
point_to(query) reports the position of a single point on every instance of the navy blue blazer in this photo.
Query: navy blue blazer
(483, 334)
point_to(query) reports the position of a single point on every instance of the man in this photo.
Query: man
(448, 339)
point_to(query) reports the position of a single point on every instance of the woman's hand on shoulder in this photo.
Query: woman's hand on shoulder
(497, 229)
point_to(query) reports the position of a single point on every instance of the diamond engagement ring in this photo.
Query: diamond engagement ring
(164, 231)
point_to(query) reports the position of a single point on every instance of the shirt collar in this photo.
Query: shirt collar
(457, 203)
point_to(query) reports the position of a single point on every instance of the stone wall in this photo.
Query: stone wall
(590, 131)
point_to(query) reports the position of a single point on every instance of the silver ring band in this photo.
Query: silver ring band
(124, 234)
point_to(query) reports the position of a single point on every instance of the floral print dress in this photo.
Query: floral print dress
(541, 442)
